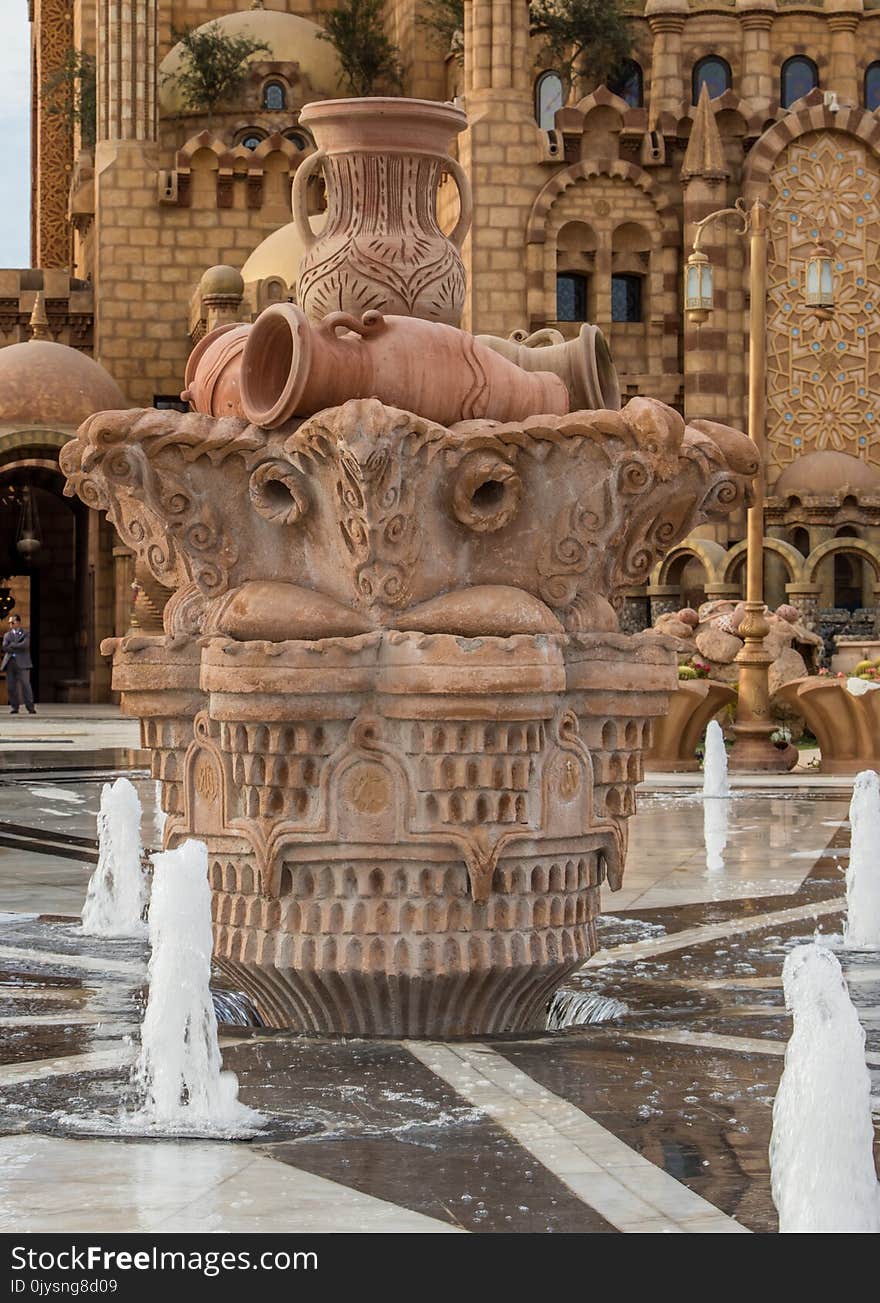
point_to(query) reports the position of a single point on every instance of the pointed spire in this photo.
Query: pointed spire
(705, 153)
(39, 320)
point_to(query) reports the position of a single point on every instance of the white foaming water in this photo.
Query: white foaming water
(716, 817)
(161, 816)
(117, 893)
(862, 927)
(821, 1149)
(179, 1067)
(715, 762)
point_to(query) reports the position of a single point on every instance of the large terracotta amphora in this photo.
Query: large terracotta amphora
(381, 248)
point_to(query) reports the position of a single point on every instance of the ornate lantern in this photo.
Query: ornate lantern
(819, 282)
(698, 298)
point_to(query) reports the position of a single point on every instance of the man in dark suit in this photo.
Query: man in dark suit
(17, 665)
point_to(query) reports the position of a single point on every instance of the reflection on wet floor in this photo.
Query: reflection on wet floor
(658, 1119)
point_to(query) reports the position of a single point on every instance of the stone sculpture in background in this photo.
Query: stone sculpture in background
(391, 695)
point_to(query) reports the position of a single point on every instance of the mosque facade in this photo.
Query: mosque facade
(585, 203)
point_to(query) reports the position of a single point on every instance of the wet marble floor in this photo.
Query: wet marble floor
(654, 1121)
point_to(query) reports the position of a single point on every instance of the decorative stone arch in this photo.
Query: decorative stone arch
(662, 271)
(195, 144)
(630, 119)
(13, 442)
(792, 558)
(854, 546)
(586, 170)
(813, 116)
(729, 102)
(706, 550)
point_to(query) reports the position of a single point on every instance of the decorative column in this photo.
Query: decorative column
(127, 54)
(51, 135)
(758, 81)
(707, 351)
(843, 23)
(501, 152)
(666, 19)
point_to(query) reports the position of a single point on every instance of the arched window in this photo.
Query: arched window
(274, 97)
(251, 139)
(571, 297)
(299, 138)
(713, 72)
(628, 82)
(626, 297)
(872, 87)
(798, 77)
(549, 97)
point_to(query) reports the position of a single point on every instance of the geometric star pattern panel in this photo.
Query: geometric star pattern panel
(823, 377)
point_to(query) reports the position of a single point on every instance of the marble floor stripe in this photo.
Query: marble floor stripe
(13, 1074)
(193, 1188)
(92, 963)
(714, 932)
(629, 1191)
(715, 1041)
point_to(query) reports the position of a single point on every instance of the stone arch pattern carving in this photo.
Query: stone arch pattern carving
(823, 383)
(792, 558)
(553, 208)
(707, 551)
(854, 546)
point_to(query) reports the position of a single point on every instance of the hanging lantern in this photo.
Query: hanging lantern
(698, 299)
(28, 541)
(819, 282)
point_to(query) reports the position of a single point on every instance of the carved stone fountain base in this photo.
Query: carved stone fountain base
(407, 832)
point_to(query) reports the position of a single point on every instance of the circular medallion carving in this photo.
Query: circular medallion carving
(369, 790)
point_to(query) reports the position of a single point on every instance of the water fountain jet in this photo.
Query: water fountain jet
(861, 930)
(117, 891)
(179, 1073)
(715, 782)
(821, 1148)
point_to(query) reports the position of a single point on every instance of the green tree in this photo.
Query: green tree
(70, 92)
(213, 65)
(370, 61)
(582, 39)
(444, 20)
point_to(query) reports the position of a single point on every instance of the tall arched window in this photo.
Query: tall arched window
(798, 77)
(629, 83)
(549, 96)
(872, 87)
(571, 297)
(274, 97)
(713, 72)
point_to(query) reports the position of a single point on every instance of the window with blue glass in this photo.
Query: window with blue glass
(626, 297)
(872, 87)
(571, 297)
(713, 72)
(251, 140)
(798, 77)
(549, 97)
(628, 82)
(274, 97)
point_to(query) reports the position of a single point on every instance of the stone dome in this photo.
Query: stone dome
(222, 280)
(48, 385)
(827, 475)
(279, 254)
(289, 38)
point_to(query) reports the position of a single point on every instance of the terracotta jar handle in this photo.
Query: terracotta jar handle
(298, 197)
(465, 198)
(366, 326)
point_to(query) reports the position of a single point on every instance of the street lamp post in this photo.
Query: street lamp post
(752, 748)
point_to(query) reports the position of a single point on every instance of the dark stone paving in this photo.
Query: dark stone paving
(394, 1130)
(703, 1116)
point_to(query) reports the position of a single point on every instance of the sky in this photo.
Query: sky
(15, 134)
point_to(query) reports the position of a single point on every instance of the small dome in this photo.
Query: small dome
(289, 38)
(222, 279)
(279, 254)
(827, 475)
(51, 385)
